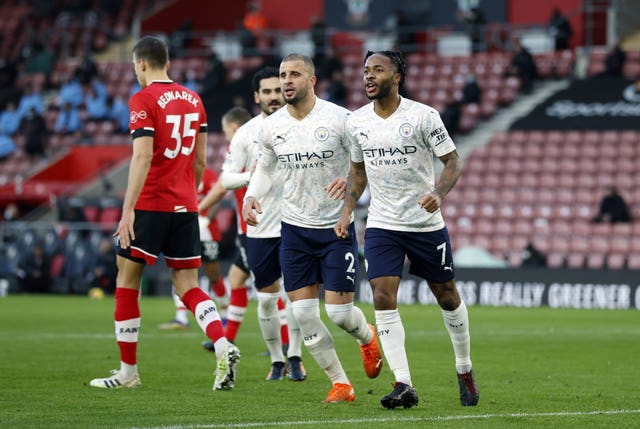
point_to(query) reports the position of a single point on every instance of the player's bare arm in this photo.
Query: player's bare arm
(213, 197)
(199, 161)
(138, 170)
(452, 169)
(337, 188)
(356, 183)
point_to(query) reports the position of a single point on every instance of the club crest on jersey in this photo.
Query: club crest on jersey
(135, 115)
(322, 134)
(406, 130)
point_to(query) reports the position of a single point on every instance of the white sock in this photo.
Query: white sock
(295, 336)
(457, 324)
(128, 331)
(318, 340)
(351, 319)
(219, 346)
(392, 337)
(269, 322)
(127, 371)
(182, 312)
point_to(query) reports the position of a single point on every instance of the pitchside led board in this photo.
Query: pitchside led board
(590, 104)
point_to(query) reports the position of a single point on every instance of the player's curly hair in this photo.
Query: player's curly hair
(396, 57)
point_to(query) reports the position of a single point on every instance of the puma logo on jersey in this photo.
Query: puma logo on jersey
(449, 268)
(280, 138)
(365, 135)
(180, 209)
(351, 279)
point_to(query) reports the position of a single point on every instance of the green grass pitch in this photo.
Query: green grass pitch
(535, 368)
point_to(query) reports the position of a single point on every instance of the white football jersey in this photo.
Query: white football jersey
(308, 154)
(398, 157)
(243, 154)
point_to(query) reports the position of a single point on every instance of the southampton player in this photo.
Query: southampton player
(306, 143)
(263, 241)
(393, 142)
(160, 211)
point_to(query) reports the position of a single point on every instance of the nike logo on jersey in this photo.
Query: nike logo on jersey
(365, 135)
(180, 209)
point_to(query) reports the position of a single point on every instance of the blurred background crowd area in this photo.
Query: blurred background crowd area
(509, 78)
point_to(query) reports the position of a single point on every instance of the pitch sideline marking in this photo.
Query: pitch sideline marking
(324, 423)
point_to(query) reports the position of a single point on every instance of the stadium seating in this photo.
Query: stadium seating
(597, 55)
(509, 190)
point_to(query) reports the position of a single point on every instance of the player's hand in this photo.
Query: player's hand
(430, 202)
(250, 208)
(125, 232)
(337, 188)
(341, 228)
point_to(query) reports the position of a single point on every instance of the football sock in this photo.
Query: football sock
(392, 337)
(235, 313)
(127, 322)
(219, 289)
(293, 328)
(182, 312)
(205, 312)
(318, 339)
(351, 319)
(457, 324)
(282, 315)
(270, 324)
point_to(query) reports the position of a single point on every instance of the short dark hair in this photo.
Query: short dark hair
(263, 73)
(308, 62)
(396, 57)
(236, 115)
(153, 50)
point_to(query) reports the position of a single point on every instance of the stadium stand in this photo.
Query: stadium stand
(545, 187)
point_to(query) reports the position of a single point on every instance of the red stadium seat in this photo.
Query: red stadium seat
(633, 261)
(596, 261)
(556, 260)
(616, 261)
(576, 260)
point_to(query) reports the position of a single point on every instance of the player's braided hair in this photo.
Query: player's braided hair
(396, 57)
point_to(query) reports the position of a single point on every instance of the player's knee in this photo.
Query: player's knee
(384, 299)
(314, 333)
(267, 303)
(446, 294)
(303, 316)
(339, 314)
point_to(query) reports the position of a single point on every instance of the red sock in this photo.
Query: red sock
(219, 289)
(284, 330)
(202, 308)
(237, 309)
(127, 308)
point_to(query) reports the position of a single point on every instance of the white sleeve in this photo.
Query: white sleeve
(236, 159)
(437, 135)
(231, 180)
(355, 150)
(261, 178)
(259, 185)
